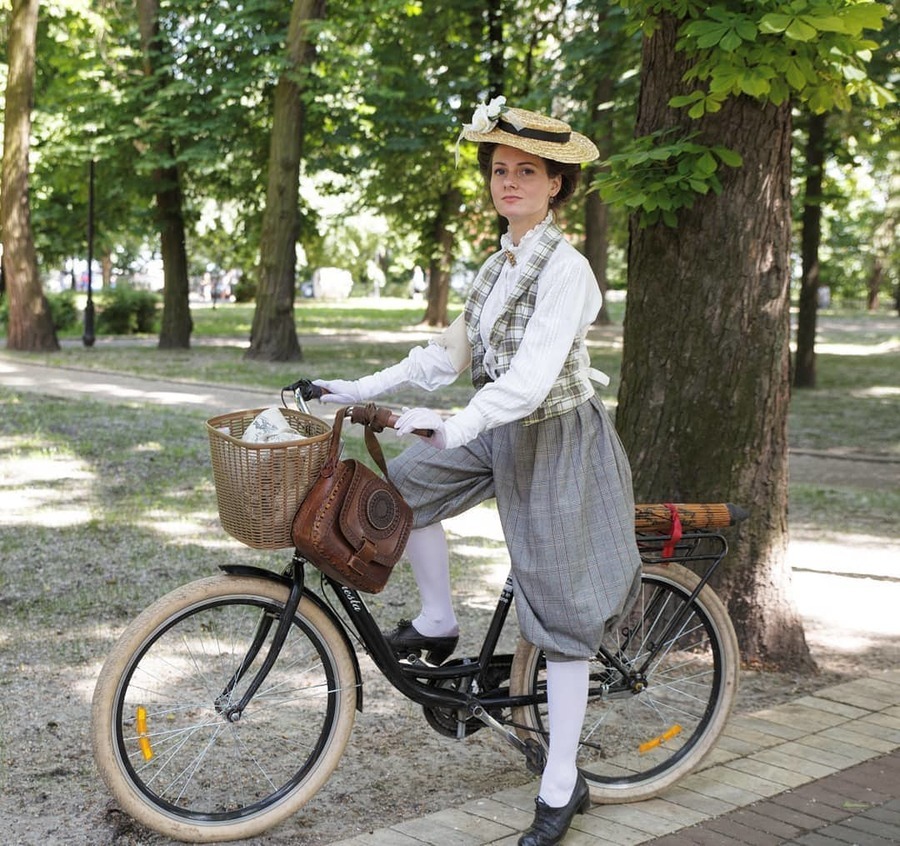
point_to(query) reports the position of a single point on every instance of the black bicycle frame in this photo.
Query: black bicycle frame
(412, 679)
(415, 679)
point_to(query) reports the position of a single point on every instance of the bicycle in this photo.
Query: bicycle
(227, 703)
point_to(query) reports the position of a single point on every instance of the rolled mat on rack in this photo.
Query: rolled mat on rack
(658, 517)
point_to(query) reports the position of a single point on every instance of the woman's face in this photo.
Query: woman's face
(521, 188)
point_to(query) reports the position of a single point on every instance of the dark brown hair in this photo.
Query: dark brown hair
(569, 173)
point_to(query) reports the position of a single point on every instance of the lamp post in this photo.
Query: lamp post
(88, 337)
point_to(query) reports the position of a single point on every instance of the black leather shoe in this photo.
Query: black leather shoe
(406, 641)
(551, 824)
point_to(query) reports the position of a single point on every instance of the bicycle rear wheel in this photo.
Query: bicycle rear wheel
(643, 732)
(162, 741)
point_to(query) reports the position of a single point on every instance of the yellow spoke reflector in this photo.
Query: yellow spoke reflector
(143, 740)
(658, 741)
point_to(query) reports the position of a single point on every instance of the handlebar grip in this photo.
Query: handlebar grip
(392, 422)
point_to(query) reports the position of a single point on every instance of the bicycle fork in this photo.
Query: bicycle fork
(234, 711)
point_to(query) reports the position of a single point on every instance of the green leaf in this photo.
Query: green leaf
(825, 23)
(774, 23)
(800, 31)
(746, 29)
(730, 41)
(728, 157)
(706, 164)
(795, 77)
(686, 99)
(754, 85)
(863, 16)
(711, 34)
(853, 73)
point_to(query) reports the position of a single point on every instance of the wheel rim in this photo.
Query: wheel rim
(636, 738)
(178, 749)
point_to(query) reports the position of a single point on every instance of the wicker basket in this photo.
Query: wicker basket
(259, 487)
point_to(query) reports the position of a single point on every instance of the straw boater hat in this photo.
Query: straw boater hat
(496, 123)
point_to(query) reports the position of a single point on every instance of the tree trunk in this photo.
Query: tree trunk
(175, 331)
(273, 334)
(596, 213)
(873, 284)
(811, 236)
(30, 322)
(441, 261)
(705, 376)
(596, 244)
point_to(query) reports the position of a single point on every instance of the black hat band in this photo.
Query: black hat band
(536, 134)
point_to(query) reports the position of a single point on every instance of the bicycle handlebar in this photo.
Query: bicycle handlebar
(366, 414)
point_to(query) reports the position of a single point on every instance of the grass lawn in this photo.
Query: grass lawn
(122, 495)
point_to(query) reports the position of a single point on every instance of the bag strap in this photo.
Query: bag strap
(374, 419)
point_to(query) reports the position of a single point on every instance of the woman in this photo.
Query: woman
(534, 435)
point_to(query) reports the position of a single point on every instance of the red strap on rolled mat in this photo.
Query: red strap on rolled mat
(668, 550)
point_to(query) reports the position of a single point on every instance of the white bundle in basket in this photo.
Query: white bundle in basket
(270, 426)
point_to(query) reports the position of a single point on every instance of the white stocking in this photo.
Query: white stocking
(427, 552)
(567, 689)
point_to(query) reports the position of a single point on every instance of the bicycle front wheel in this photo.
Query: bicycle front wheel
(649, 726)
(162, 737)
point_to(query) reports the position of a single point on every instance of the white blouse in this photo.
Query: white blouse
(567, 302)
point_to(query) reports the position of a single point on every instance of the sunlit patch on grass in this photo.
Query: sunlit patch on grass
(49, 489)
(876, 392)
(890, 346)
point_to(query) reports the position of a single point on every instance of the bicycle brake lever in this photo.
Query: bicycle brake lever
(306, 389)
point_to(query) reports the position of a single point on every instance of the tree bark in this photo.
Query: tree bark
(596, 213)
(441, 260)
(705, 377)
(811, 236)
(30, 322)
(873, 284)
(596, 245)
(175, 331)
(273, 334)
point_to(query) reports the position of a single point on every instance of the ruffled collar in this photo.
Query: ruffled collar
(527, 242)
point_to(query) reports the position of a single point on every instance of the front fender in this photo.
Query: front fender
(262, 573)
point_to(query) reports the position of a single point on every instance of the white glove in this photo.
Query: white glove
(347, 393)
(422, 418)
(340, 391)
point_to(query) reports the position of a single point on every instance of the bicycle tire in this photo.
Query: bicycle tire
(636, 744)
(169, 756)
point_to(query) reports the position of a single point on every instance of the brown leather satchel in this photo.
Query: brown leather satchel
(353, 525)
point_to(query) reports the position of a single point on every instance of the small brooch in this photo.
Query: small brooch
(510, 257)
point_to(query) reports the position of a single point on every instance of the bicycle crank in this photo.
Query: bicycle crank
(535, 757)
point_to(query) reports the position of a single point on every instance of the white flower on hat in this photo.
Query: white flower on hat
(486, 115)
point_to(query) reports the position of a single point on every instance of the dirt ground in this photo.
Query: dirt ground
(396, 766)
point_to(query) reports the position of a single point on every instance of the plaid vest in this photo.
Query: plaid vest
(568, 391)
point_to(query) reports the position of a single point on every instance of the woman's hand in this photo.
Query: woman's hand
(423, 418)
(339, 391)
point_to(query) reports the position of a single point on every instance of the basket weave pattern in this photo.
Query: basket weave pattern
(259, 487)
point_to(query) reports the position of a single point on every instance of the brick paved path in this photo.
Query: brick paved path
(860, 805)
(823, 770)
